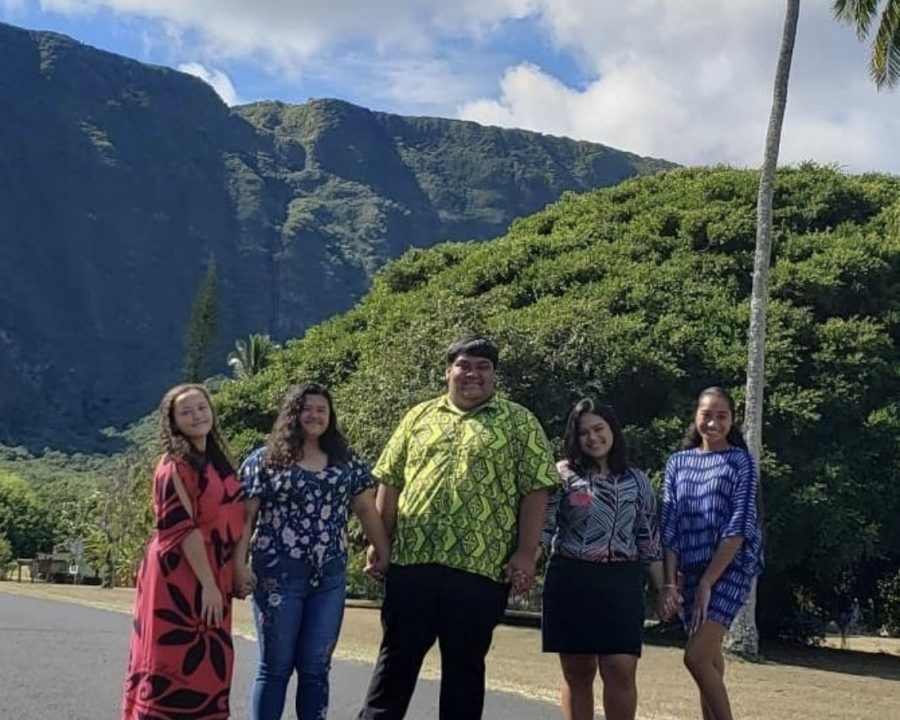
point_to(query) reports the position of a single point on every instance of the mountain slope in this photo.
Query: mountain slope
(120, 180)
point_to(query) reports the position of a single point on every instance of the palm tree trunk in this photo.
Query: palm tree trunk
(744, 638)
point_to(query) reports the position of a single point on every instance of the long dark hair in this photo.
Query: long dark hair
(177, 446)
(285, 444)
(618, 453)
(735, 437)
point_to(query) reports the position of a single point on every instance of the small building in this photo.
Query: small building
(62, 567)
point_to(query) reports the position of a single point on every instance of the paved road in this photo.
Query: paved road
(60, 661)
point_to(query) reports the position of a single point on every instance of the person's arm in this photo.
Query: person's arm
(670, 599)
(646, 531)
(194, 549)
(387, 498)
(551, 520)
(390, 472)
(721, 559)
(536, 478)
(373, 526)
(521, 565)
(386, 501)
(244, 579)
(657, 577)
(670, 565)
(255, 480)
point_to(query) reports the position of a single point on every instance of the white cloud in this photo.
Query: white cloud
(219, 81)
(289, 32)
(691, 81)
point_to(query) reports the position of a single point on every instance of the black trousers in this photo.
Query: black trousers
(424, 603)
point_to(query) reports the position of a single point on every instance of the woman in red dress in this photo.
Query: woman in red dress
(181, 655)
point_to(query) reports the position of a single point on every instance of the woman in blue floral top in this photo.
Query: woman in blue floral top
(300, 488)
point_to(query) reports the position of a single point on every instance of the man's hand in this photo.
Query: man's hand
(519, 571)
(376, 566)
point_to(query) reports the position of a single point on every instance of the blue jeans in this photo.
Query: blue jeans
(297, 626)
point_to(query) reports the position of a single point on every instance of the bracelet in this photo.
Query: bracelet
(669, 585)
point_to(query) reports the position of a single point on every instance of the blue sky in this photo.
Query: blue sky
(688, 80)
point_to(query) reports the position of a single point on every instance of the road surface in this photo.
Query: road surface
(62, 661)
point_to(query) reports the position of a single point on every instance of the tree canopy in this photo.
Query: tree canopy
(640, 293)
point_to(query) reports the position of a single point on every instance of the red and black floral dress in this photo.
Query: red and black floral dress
(178, 668)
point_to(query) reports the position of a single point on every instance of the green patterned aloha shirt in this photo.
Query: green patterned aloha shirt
(462, 475)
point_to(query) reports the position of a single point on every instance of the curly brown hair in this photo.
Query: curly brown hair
(285, 444)
(177, 446)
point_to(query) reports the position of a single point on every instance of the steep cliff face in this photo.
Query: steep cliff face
(119, 180)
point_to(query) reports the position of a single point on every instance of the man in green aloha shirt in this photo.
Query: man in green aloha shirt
(464, 481)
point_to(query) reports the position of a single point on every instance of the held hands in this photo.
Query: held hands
(376, 563)
(519, 571)
(670, 602)
(244, 580)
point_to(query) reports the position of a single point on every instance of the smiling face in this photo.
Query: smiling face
(595, 437)
(470, 381)
(193, 416)
(314, 416)
(713, 420)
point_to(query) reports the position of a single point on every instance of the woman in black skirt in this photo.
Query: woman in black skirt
(602, 532)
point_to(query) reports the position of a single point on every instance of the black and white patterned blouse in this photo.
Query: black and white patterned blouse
(602, 519)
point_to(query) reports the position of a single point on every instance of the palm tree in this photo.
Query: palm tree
(884, 64)
(251, 355)
(744, 638)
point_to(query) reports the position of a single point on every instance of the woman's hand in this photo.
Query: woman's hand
(670, 602)
(244, 580)
(701, 605)
(381, 561)
(519, 571)
(212, 605)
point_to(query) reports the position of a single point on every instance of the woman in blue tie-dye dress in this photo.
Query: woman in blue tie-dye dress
(712, 538)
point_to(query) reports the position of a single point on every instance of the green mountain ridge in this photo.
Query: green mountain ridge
(120, 180)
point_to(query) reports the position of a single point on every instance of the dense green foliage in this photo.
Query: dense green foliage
(6, 556)
(640, 293)
(101, 500)
(121, 179)
(889, 593)
(25, 520)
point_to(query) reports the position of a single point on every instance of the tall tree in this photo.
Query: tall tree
(744, 637)
(25, 521)
(202, 325)
(884, 63)
(251, 355)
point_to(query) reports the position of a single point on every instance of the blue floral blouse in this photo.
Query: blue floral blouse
(302, 513)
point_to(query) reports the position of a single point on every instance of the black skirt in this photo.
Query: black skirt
(593, 608)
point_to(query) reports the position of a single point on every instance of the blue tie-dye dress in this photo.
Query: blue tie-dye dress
(709, 496)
